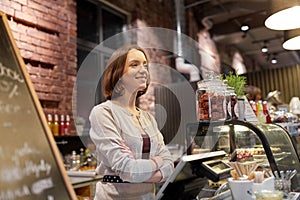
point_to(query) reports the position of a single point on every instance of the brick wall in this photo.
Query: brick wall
(45, 33)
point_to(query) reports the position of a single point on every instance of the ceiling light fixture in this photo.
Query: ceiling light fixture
(283, 15)
(264, 49)
(274, 60)
(291, 39)
(244, 27)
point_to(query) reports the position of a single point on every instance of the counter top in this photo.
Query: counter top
(78, 181)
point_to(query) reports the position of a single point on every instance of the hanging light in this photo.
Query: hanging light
(274, 59)
(284, 15)
(264, 49)
(292, 39)
(244, 27)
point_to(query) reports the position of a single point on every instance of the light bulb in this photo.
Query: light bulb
(244, 28)
(274, 60)
(264, 49)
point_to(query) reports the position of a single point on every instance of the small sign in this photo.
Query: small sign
(249, 113)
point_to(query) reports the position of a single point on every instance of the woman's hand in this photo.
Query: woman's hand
(155, 178)
(126, 149)
(158, 161)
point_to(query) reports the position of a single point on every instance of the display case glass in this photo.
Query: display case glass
(269, 145)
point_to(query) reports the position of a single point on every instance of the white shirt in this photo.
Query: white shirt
(110, 125)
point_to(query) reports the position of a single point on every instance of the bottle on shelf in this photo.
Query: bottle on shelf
(261, 117)
(75, 161)
(67, 126)
(62, 125)
(266, 112)
(55, 128)
(50, 121)
(253, 106)
(82, 156)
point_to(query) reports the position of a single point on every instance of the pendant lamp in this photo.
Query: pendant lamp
(292, 39)
(283, 14)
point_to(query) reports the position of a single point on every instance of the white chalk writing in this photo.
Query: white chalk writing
(10, 87)
(7, 124)
(7, 72)
(21, 168)
(11, 174)
(13, 92)
(41, 185)
(36, 169)
(25, 150)
(16, 173)
(6, 108)
(14, 193)
(50, 197)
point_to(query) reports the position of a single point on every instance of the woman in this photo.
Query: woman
(253, 93)
(129, 145)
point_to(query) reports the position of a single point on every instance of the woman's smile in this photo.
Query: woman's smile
(135, 75)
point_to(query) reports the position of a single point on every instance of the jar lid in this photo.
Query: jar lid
(202, 84)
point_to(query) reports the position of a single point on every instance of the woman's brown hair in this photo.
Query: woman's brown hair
(115, 68)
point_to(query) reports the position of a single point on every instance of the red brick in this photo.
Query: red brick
(7, 10)
(37, 6)
(26, 16)
(23, 2)
(15, 5)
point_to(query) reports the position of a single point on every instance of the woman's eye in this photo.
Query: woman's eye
(134, 65)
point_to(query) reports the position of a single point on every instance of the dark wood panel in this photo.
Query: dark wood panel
(282, 77)
(285, 80)
(289, 83)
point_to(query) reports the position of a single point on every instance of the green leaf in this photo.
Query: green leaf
(237, 82)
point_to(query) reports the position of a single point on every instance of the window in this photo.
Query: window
(96, 23)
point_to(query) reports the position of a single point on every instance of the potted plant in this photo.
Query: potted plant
(238, 83)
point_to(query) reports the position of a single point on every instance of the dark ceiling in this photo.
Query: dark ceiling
(223, 18)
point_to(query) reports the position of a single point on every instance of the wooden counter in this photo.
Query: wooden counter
(84, 186)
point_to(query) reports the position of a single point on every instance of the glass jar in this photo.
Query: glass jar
(210, 99)
(217, 102)
(202, 101)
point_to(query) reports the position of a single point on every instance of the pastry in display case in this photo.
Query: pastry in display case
(268, 145)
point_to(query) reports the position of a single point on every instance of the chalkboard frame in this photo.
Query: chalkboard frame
(41, 116)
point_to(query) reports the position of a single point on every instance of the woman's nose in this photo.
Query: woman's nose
(144, 68)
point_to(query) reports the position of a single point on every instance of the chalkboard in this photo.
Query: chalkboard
(30, 163)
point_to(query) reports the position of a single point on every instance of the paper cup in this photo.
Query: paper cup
(267, 184)
(241, 189)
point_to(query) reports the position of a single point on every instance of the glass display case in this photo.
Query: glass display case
(269, 145)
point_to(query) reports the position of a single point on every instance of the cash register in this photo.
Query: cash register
(191, 175)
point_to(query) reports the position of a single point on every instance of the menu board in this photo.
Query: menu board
(30, 163)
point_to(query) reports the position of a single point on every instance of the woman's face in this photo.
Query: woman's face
(136, 73)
